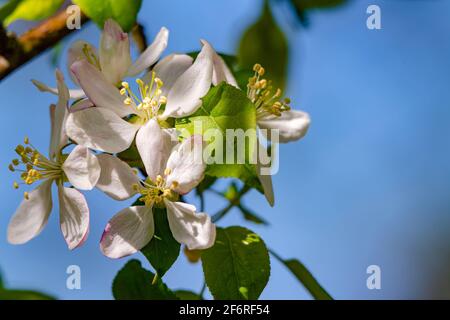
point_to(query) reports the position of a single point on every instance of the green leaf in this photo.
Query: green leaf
(30, 10)
(23, 295)
(187, 295)
(226, 107)
(8, 8)
(123, 11)
(307, 279)
(135, 283)
(265, 43)
(237, 267)
(251, 216)
(206, 183)
(163, 250)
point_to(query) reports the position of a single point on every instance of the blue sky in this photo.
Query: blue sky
(368, 185)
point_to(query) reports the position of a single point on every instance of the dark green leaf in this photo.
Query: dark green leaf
(8, 8)
(237, 267)
(29, 10)
(187, 295)
(123, 11)
(265, 43)
(251, 216)
(163, 250)
(23, 295)
(206, 183)
(135, 283)
(226, 107)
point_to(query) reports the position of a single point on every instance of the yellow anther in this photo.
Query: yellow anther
(158, 92)
(15, 162)
(135, 172)
(159, 179)
(11, 168)
(140, 82)
(256, 67)
(127, 101)
(28, 150)
(123, 91)
(147, 100)
(36, 161)
(20, 148)
(174, 185)
(125, 85)
(163, 100)
(263, 83)
(154, 103)
(15, 185)
(26, 195)
(135, 187)
(167, 171)
(261, 71)
(28, 180)
(26, 140)
(159, 82)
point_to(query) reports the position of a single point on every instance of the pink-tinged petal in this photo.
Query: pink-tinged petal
(151, 54)
(154, 145)
(58, 116)
(193, 229)
(170, 68)
(221, 72)
(186, 164)
(73, 216)
(184, 98)
(100, 129)
(114, 52)
(79, 51)
(292, 125)
(81, 105)
(32, 215)
(97, 88)
(116, 178)
(73, 93)
(82, 168)
(127, 232)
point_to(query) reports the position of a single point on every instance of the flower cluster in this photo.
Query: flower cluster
(106, 116)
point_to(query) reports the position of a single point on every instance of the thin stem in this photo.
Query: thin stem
(202, 202)
(233, 203)
(202, 291)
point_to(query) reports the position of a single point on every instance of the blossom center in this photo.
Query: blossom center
(261, 93)
(150, 98)
(34, 166)
(153, 193)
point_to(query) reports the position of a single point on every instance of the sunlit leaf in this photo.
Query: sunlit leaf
(265, 43)
(133, 282)
(237, 267)
(225, 107)
(31, 10)
(123, 11)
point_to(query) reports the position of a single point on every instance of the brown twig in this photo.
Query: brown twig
(16, 51)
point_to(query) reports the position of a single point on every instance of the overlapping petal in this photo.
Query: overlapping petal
(82, 168)
(292, 125)
(127, 232)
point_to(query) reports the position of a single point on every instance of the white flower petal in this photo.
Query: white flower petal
(221, 72)
(292, 125)
(81, 105)
(78, 51)
(100, 129)
(116, 178)
(73, 216)
(154, 145)
(74, 93)
(32, 215)
(184, 96)
(170, 68)
(82, 168)
(114, 52)
(151, 54)
(127, 232)
(58, 117)
(99, 90)
(193, 229)
(186, 164)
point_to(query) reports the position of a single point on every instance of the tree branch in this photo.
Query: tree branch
(19, 50)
